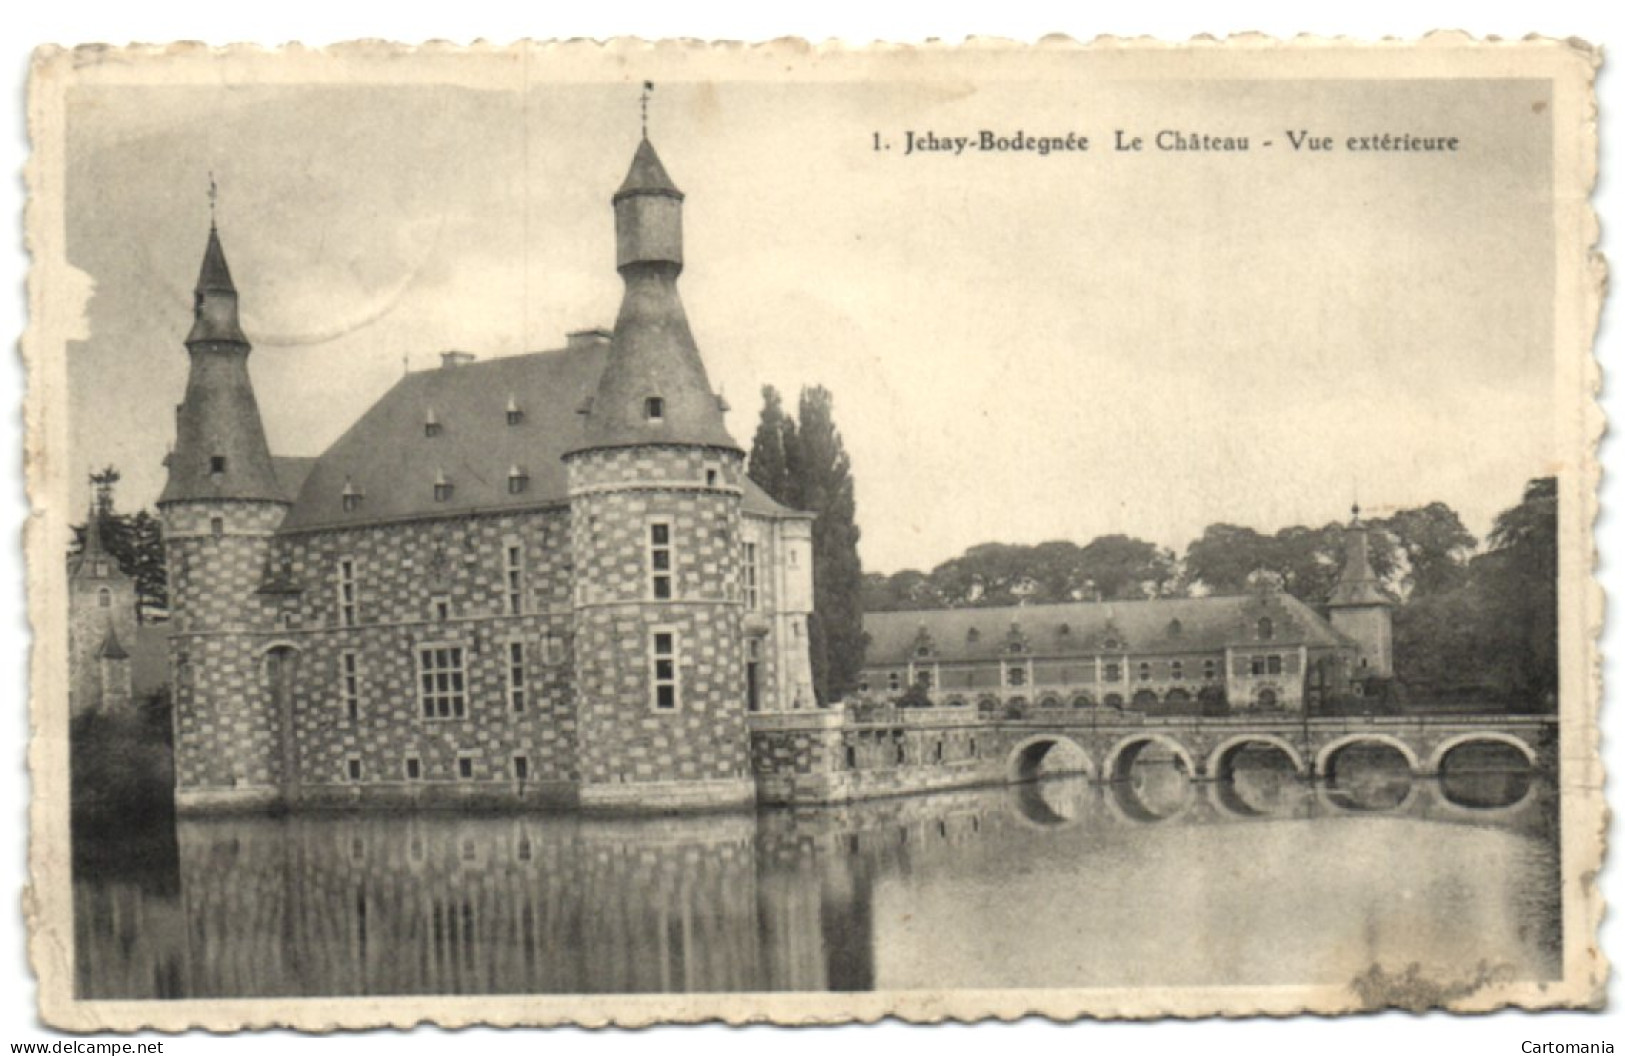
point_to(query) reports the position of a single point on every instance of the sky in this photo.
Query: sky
(1020, 348)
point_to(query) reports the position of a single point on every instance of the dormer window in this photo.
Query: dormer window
(518, 480)
(350, 497)
(1112, 643)
(1266, 628)
(515, 415)
(1066, 629)
(431, 424)
(1175, 628)
(973, 635)
(442, 488)
(654, 409)
(217, 464)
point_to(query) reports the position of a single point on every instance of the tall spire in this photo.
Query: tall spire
(1357, 584)
(220, 450)
(214, 299)
(654, 389)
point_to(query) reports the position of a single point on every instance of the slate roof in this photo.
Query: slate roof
(1161, 626)
(1357, 584)
(389, 461)
(647, 175)
(291, 471)
(214, 285)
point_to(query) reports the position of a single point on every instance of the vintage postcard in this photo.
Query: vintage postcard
(637, 532)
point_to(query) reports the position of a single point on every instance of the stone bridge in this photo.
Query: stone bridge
(1206, 747)
(832, 756)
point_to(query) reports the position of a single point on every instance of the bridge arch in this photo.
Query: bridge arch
(1450, 744)
(1328, 751)
(1125, 751)
(1216, 761)
(1028, 755)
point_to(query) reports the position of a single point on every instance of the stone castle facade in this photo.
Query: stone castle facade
(541, 578)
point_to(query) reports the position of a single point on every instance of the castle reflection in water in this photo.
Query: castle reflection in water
(1153, 881)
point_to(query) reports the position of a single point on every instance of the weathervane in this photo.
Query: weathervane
(214, 193)
(643, 103)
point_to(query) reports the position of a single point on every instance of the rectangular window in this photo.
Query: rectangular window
(441, 682)
(516, 677)
(217, 526)
(1176, 670)
(1258, 665)
(514, 578)
(1015, 676)
(521, 767)
(442, 608)
(350, 684)
(347, 592)
(1274, 666)
(894, 681)
(753, 674)
(217, 463)
(1114, 672)
(352, 767)
(663, 661)
(1209, 670)
(465, 768)
(752, 595)
(660, 560)
(414, 768)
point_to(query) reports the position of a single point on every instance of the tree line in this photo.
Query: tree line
(1469, 621)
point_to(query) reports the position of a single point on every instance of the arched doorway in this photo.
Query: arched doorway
(281, 680)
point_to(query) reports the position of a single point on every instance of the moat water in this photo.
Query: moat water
(1156, 881)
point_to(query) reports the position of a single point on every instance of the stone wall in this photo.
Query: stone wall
(635, 751)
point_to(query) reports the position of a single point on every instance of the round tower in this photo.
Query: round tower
(655, 484)
(219, 509)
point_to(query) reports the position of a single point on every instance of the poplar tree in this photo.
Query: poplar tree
(803, 465)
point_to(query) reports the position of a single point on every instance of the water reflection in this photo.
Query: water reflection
(1369, 777)
(1154, 880)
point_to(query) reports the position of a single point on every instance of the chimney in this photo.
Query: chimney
(578, 339)
(455, 359)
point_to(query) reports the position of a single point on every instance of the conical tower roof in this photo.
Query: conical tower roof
(647, 175)
(654, 389)
(220, 449)
(1357, 584)
(214, 305)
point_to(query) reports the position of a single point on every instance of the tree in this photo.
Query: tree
(1518, 581)
(1436, 546)
(1117, 566)
(803, 464)
(902, 591)
(769, 459)
(823, 471)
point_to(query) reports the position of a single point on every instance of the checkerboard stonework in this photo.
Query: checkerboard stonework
(539, 579)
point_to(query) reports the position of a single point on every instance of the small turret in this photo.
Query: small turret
(220, 450)
(1358, 607)
(214, 304)
(1357, 584)
(654, 389)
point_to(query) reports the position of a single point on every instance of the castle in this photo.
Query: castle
(1226, 654)
(542, 578)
